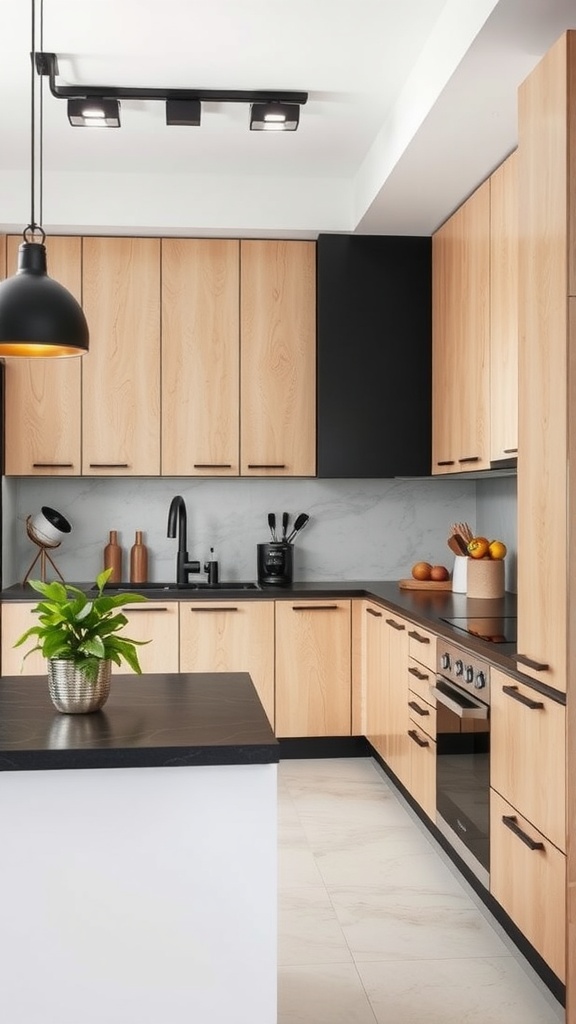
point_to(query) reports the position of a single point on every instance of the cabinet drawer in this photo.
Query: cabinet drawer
(422, 714)
(528, 878)
(420, 679)
(422, 646)
(528, 754)
(422, 755)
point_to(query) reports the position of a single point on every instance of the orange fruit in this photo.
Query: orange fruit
(478, 547)
(421, 571)
(439, 572)
(497, 549)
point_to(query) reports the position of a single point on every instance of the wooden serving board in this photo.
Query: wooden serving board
(425, 584)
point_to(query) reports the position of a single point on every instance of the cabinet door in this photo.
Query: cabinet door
(504, 310)
(278, 358)
(422, 754)
(158, 624)
(200, 357)
(230, 636)
(397, 751)
(375, 672)
(313, 668)
(528, 754)
(121, 373)
(461, 338)
(528, 878)
(42, 399)
(16, 618)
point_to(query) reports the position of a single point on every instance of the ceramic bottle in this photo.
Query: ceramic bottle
(138, 560)
(113, 558)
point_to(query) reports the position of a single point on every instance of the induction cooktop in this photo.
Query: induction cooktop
(496, 629)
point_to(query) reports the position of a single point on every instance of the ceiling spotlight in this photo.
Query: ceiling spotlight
(94, 112)
(274, 117)
(183, 112)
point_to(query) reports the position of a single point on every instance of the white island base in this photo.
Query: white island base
(139, 895)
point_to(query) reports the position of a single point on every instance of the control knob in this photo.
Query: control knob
(445, 661)
(459, 666)
(469, 674)
(480, 681)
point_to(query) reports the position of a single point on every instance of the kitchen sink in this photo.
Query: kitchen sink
(162, 588)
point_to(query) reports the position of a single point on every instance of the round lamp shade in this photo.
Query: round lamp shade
(38, 316)
(49, 526)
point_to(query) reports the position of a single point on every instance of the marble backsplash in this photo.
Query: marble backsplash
(358, 529)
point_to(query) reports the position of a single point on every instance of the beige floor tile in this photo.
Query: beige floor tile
(309, 931)
(322, 995)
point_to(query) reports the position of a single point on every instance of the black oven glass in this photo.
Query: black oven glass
(463, 781)
(496, 629)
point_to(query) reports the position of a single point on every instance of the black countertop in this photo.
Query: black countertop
(155, 720)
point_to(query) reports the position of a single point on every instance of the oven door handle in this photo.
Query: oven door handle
(461, 704)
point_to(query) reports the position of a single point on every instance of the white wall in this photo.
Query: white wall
(359, 529)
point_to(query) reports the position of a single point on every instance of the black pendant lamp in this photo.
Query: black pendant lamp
(38, 316)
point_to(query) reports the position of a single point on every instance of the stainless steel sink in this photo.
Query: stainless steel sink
(184, 588)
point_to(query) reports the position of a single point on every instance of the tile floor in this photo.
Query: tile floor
(376, 926)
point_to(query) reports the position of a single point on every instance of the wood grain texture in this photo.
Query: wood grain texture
(200, 357)
(158, 623)
(121, 373)
(313, 670)
(396, 709)
(43, 396)
(411, 584)
(422, 757)
(375, 673)
(225, 636)
(529, 884)
(16, 618)
(504, 309)
(278, 358)
(542, 460)
(528, 756)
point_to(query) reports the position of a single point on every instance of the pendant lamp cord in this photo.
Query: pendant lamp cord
(34, 228)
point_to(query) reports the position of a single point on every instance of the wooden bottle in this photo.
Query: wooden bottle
(138, 560)
(113, 558)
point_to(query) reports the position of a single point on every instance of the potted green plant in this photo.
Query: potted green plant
(78, 636)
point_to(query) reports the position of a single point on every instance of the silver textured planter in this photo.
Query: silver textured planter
(72, 692)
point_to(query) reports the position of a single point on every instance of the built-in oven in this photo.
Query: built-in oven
(462, 692)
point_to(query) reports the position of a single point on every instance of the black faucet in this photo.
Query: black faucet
(177, 512)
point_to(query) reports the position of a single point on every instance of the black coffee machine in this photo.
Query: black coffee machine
(275, 564)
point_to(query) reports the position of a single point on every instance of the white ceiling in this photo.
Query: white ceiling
(410, 106)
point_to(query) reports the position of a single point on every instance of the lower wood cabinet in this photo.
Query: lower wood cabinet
(528, 878)
(16, 618)
(230, 636)
(374, 674)
(313, 668)
(157, 625)
(397, 752)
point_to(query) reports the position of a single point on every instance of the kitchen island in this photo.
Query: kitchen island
(138, 855)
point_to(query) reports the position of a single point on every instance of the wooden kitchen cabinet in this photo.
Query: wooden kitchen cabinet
(397, 751)
(422, 718)
(528, 754)
(374, 356)
(374, 675)
(313, 668)
(121, 372)
(528, 879)
(200, 357)
(504, 311)
(43, 396)
(158, 623)
(278, 358)
(230, 636)
(461, 338)
(16, 617)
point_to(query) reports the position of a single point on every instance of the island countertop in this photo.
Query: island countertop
(156, 720)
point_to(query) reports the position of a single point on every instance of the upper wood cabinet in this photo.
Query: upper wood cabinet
(374, 356)
(42, 399)
(121, 373)
(461, 338)
(313, 668)
(504, 310)
(278, 358)
(200, 357)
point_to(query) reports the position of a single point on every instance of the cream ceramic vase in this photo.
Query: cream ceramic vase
(72, 692)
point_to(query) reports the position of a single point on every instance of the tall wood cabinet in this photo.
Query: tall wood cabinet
(43, 396)
(504, 311)
(461, 338)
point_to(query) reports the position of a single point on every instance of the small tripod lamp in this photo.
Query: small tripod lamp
(46, 530)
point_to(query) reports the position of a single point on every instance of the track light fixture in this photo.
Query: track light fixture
(183, 106)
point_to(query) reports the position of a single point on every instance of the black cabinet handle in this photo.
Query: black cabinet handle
(416, 707)
(313, 607)
(470, 458)
(538, 666)
(109, 465)
(212, 465)
(377, 615)
(53, 465)
(144, 609)
(510, 451)
(419, 675)
(265, 465)
(510, 821)
(228, 608)
(514, 692)
(445, 462)
(414, 736)
(395, 625)
(416, 636)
